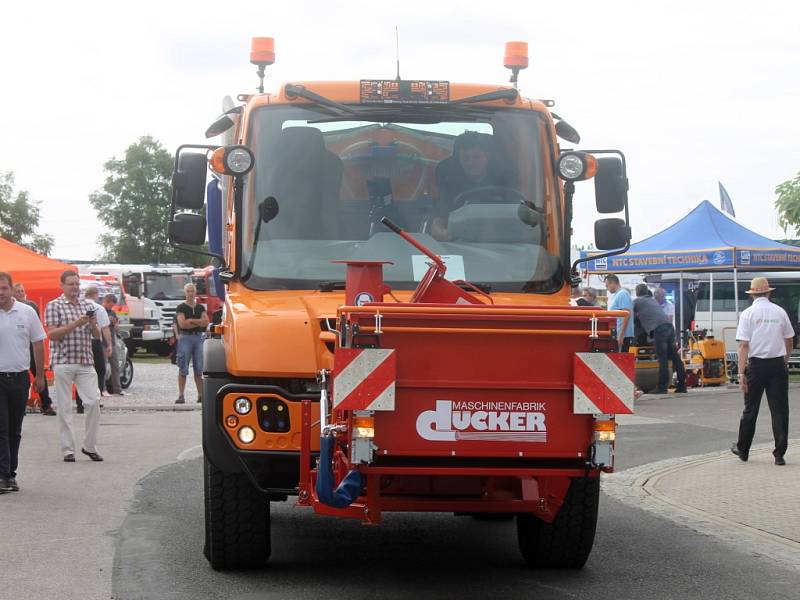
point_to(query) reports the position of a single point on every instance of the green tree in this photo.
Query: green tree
(19, 218)
(788, 205)
(134, 205)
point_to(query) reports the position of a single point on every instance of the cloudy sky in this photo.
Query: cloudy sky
(692, 92)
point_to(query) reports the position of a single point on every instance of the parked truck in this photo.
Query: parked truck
(396, 332)
(153, 293)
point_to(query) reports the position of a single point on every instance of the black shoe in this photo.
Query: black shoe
(779, 461)
(48, 412)
(681, 390)
(5, 486)
(743, 456)
(69, 458)
(12, 483)
(93, 455)
(180, 400)
(79, 410)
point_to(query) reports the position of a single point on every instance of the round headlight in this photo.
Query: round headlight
(238, 160)
(242, 405)
(247, 435)
(571, 166)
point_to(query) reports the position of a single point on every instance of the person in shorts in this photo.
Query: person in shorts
(191, 319)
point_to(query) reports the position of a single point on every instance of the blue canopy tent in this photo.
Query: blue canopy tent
(707, 240)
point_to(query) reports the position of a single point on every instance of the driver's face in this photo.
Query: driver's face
(474, 162)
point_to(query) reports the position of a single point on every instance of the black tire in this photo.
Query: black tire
(568, 540)
(237, 521)
(126, 377)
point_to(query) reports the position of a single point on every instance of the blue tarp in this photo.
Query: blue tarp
(706, 239)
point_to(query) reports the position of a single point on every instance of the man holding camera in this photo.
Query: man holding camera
(71, 326)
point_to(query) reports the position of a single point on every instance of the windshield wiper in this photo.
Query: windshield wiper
(506, 94)
(436, 113)
(296, 90)
(330, 286)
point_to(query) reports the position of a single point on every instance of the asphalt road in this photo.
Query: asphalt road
(637, 554)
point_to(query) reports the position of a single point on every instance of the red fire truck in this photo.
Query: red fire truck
(396, 333)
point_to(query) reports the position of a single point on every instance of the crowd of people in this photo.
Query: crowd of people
(82, 334)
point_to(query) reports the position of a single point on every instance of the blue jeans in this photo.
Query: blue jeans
(666, 350)
(190, 347)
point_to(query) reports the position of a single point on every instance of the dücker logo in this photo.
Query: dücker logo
(487, 421)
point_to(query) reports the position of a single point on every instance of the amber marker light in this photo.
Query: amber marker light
(363, 427)
(232, 421)
(217, 161)
(262, 51)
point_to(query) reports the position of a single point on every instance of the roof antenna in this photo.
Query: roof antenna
(397, 50)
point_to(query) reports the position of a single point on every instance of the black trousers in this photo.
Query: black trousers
(99, 355)
(44, 395)
(666, 350)
(13, 402)
(772, 375)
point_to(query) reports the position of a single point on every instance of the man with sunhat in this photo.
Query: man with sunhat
(765, 337)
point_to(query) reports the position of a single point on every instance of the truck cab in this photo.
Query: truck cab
(153, 292)
(475, 177)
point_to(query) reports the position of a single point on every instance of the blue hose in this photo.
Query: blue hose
(348, 490)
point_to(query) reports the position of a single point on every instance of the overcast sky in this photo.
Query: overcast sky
(692, 92)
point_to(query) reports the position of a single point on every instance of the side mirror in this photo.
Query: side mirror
(133, 285)
(187, 229)
(610, 186)
(610, 234)
(189, 180)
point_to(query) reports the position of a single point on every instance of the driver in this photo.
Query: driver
(472, 166)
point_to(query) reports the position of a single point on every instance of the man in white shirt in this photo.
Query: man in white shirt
(19, 329)
(765, 337)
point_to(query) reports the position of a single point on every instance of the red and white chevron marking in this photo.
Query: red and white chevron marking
(603, 383)
(364, 378)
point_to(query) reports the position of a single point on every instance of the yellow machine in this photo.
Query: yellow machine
(705, 360)
(645, 367)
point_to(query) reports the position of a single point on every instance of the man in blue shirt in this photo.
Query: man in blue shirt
(621, 300)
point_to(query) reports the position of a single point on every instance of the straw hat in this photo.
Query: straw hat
(759, 285)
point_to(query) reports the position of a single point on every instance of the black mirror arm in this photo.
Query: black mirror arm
(574, 275)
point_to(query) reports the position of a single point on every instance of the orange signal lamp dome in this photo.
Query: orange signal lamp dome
(217, 161)
(516, 56)
(262, 51)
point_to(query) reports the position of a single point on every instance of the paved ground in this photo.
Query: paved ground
(683, 518)
(752, 505)
(57, 535)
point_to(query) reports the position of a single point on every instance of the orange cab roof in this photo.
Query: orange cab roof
(348, 92)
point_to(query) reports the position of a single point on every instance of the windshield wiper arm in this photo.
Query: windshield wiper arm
(506, 94)
(329, 286)
(296, 90)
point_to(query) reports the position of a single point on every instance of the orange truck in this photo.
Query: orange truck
(396, 333)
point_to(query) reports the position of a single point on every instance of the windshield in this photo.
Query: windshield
(474, 185)
(165, 286)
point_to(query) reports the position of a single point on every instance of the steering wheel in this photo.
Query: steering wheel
(491, 194)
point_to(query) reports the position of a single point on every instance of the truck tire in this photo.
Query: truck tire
(567, 541)
(237, 521)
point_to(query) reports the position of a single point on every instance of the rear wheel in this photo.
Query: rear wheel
(237, 521)
(126, 377)
(568, 540)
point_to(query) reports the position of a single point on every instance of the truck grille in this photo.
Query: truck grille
(167, 315)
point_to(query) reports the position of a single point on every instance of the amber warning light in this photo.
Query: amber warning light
(516, 58)
(262, 54)
(262, 51)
